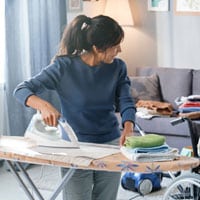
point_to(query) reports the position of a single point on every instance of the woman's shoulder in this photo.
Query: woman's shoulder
(119, 63)
(63, 59)
(59, 64)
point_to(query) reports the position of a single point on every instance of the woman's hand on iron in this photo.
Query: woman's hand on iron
(49, 113)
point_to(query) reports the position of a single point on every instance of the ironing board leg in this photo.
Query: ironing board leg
(64, 180)
(171, 175)
(56, 192)
(29, 180)
(20, 180)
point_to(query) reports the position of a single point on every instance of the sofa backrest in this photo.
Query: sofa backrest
(174, 82)
(196, 82)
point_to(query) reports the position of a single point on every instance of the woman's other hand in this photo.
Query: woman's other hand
(127, 131)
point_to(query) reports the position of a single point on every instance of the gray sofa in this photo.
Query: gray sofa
(166, 84)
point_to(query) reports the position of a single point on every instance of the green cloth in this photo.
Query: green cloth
(149, 140)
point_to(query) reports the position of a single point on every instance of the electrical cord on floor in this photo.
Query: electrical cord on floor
(41, 175)
(136, 196)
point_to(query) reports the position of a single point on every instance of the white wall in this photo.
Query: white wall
(90, 8)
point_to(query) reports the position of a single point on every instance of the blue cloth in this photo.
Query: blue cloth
(189, 109)
(159, 149)
(87, 95)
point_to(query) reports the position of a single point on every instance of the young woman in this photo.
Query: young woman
(89, 81)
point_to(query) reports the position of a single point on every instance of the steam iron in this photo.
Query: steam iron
(67, 129)
(43, 133)
(39, 128)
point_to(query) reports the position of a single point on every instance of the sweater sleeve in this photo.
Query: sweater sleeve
(48, 78)
(125, 100)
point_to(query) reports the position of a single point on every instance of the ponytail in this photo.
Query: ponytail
(83, 33)
(73, 39)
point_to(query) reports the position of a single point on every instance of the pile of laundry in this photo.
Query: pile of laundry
(189, 106)
(149, 108)
(148, 148)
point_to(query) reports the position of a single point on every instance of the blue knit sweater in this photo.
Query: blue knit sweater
(87, 95)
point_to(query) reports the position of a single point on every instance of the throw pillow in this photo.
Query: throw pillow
(145, 88)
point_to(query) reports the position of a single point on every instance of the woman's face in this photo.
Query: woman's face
(109, 54)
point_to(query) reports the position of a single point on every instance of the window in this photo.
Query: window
(2, 40)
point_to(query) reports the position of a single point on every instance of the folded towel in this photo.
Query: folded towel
(171, 154)
(159, 149)
(149, 140)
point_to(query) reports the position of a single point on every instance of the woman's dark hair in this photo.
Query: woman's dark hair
(84, 32)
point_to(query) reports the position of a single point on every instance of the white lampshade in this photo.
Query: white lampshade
(120, 11)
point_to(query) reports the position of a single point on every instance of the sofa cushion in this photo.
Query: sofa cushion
(145, 88)
(196, 82)
(174, 82)
(163, 126)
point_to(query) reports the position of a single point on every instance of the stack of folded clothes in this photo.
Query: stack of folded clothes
(149, 109)
(148, 148)
(190, 107)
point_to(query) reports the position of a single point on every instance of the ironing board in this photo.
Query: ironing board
(116, 162)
